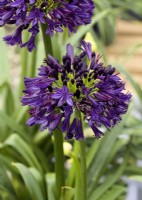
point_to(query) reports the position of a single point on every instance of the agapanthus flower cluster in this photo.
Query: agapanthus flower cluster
(56, 14)
(79, 87)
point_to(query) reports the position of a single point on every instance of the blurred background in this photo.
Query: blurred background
(115, 161)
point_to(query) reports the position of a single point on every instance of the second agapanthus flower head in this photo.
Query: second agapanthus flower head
(80, 87)
(56, 14)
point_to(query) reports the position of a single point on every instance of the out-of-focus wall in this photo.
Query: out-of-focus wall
(127, 49)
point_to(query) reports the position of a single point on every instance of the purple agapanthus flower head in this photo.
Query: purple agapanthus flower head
(80, 87)
(56, 14)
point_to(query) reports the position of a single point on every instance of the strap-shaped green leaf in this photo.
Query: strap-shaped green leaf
(16, 142)
(92, 152)
(113, 193)
(50, 185)
(8, 101)
(67, 193)
(10, 123)
(130, 79)
(102, 155)
(31, 182)
(40, 179)
(5, 182)
(109, 181)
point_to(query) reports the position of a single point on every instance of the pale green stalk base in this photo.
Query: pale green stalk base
(83, 195)
(59, 162)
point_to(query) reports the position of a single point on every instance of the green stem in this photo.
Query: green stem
(58, 136)
(32, 67)
(59, 161)
(83, 170)
(73, 170)
(83, 177)
(78, 175)
(46, 40)
(24, 62)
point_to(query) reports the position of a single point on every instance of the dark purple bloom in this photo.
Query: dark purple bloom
(57, 14)
(63, 96)
(80, 85)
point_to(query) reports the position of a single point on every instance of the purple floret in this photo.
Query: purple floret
(79, 86)
(29, 14)
(63, 96)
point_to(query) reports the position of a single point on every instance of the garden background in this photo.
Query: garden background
(114, 162)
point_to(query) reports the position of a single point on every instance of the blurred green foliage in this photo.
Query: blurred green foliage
(26, 155)
(126, 9)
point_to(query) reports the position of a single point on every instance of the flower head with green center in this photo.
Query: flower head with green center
(79, 86)
(56, 14)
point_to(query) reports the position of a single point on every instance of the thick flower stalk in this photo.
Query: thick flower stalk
(81, 84)
(56, 14)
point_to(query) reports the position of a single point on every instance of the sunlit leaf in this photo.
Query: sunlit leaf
(136, 178)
